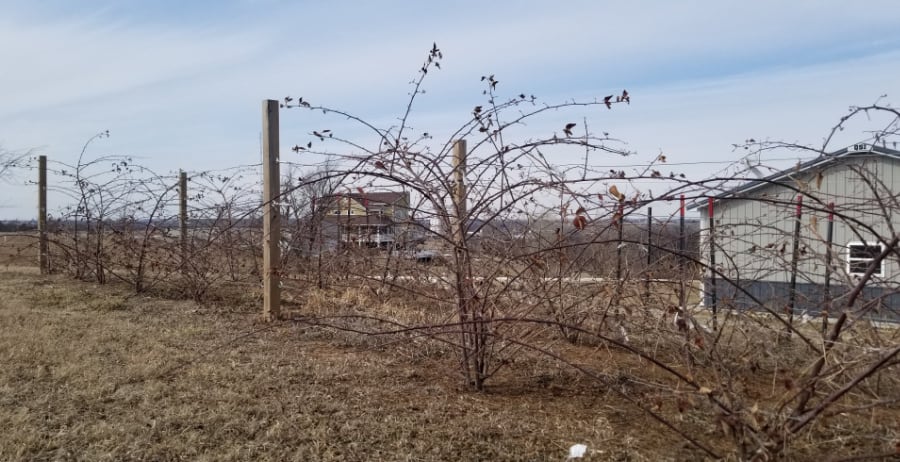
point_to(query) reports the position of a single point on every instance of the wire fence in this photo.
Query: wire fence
(490, 250)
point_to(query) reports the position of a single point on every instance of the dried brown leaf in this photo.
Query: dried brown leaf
(614, 192)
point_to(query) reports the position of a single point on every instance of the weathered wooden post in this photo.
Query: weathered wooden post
(43, 247)
(271, 214)
(468, 337)
(459, 191)
(182, 218)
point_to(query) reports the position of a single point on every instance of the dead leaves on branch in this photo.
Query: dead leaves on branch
(288, 100)
(623, 98)
(614, 192)
(580, 221)
(492, 82)
(321, 135)
(618, 216)
(434, 57)
(581, 218)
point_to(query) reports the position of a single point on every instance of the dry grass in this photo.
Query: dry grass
(90, 374)
(18, 250)
(93, 373)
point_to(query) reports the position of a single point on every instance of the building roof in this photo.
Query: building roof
(382, 197)
(824, 160)
(387, 197)
(356, 220)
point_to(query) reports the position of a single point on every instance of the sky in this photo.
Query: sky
(179, 84)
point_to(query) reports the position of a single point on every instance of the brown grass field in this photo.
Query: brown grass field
(92, 372)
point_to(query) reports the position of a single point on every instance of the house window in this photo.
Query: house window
(860, 255)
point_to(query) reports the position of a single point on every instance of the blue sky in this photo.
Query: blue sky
(179, 83)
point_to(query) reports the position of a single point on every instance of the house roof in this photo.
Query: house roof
(356, 220)
(387, 197)
(824, 160)
(383, 197)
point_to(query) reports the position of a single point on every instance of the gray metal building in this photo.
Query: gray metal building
(754, 236)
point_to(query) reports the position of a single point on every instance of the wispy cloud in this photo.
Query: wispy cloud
(179, 84)
(85, 60)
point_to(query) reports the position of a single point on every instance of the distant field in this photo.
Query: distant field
(18, 250)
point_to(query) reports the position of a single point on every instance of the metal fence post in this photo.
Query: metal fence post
(712, 264)
(682, 299)
(792, 294)
(829, 255)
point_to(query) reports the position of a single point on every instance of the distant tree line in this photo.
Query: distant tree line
(13, 226)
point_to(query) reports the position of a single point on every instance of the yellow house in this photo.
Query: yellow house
(390, 204)
(368, 219)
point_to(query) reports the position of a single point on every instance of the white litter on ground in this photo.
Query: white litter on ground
(576, 451)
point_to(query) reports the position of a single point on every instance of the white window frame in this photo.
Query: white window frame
(850, 260)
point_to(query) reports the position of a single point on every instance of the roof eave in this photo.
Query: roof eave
(754, 184)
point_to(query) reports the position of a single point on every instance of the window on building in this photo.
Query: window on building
(860, 255)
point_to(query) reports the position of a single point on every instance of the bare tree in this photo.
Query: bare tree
(309, 195)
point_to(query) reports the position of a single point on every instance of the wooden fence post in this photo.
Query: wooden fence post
(458, 222)
(43, 246)
(183, 218)
(459, 190)
(271, 218)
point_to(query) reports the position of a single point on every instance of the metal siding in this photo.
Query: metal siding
(856, 200)
(881, 303)
(744, 223)
(889, 172)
